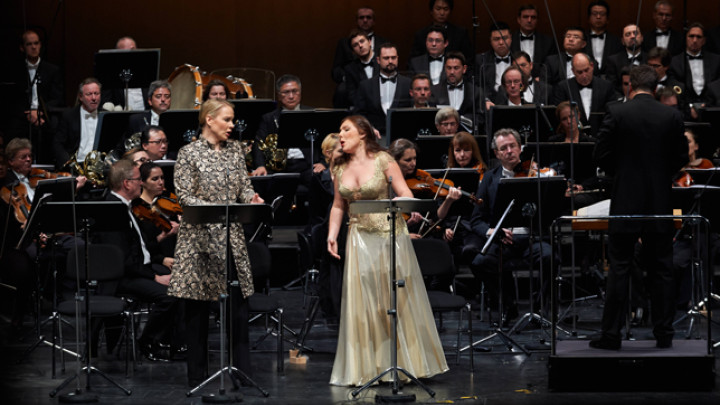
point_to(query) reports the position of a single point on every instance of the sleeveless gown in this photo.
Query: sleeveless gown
(364, 339)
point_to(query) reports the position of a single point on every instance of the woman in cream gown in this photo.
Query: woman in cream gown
(365, 327)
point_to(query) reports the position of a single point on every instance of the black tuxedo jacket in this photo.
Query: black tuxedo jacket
(441, 97)
(542, 93)
(367, 100)
(138, 122)
(613, 45)
(49, 85)
(602, 94)
(482, 217)
(485, 66)
(345, 55)
(555, 67)
(676, 45)
(458, 40)
(713, 92)
(269, 125)
(67, 138)
(421, 64)
(354, 74)
(128, 241)
(544, 46)
(615, 63)
(640, 180)
(680, 70)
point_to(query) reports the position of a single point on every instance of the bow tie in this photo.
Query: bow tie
(599, 36)
(388, 79)
(432, 58)
(662, 33)
(663, 82)
(527, 38)
(691, 57)
(589, 86)
(366, 64)
(505, 59)
(90, 115)
(458, 86)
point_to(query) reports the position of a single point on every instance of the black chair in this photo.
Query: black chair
(263, 305)
(106, 270)
(436, 262)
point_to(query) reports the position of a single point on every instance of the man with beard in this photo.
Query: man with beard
(384, 91)
(632, 40)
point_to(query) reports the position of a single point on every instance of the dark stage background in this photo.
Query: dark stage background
(286, 36)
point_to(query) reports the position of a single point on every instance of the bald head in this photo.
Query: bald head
(582, 68)
(125, 43)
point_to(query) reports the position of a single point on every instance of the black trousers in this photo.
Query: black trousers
(656, 254)
(197, 314)
(160, 323)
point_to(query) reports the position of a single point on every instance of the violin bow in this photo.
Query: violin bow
(427, 214)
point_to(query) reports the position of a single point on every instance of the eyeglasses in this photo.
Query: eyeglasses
(161, 141)
(142, 160)
(448, 124)
(513, 82)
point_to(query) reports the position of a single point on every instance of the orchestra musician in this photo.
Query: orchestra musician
(212, 170)
(404, 152)
(695, 161)
(568, 131)
(215, 89)
(447, 121)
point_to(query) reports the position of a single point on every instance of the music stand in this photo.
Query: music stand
(296, 128)
(248, 114)
(180, 127)
(111, 129)
(393, 207)
(92, 216)
(409, 123)
(120, 69)
(226, 214)
(275, 185)
(556, 155)
(522, 119)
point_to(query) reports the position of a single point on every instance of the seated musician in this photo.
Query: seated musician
(137, 155)
(154, 141)
(143, 278)
(695, 161)
(405, 153)
(514, 242)
(463, 153)
(289, 96)
(153, 188)
(511, 89)
(447, 121)
(159, 100)
(18, 192)
(76, 131)
(568, 130)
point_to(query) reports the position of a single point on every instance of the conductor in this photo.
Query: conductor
(641, 144)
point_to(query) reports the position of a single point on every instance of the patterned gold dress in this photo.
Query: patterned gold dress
(364, 341)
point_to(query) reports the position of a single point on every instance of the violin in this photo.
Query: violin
(168, 203)
(701, 163)
(529, 168)
(423, 184)
(145, 212)
(16, 196)
(39, 174)
(684, 179)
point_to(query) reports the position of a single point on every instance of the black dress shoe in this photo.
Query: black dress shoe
(605, 344)
(154, 352)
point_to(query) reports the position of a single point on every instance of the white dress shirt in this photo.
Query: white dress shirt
(88, 126)
(134, 225)
(387, 92)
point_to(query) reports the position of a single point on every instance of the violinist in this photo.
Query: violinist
(695, 161)
(464, 153)
(515, 242)
(405, 153)
(153, 186)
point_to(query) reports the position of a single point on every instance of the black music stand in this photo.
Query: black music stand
(92, 216)
(496, 237)
(226, 214)
(276, 185)
(697, 200)
(120, 69)
(296, 128)
(111, 129)
(410, 123)
(522, 119)
(180, 127)
(393, 207)
(248, 114)
(557, 155)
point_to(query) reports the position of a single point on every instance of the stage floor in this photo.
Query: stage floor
(500, 376)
